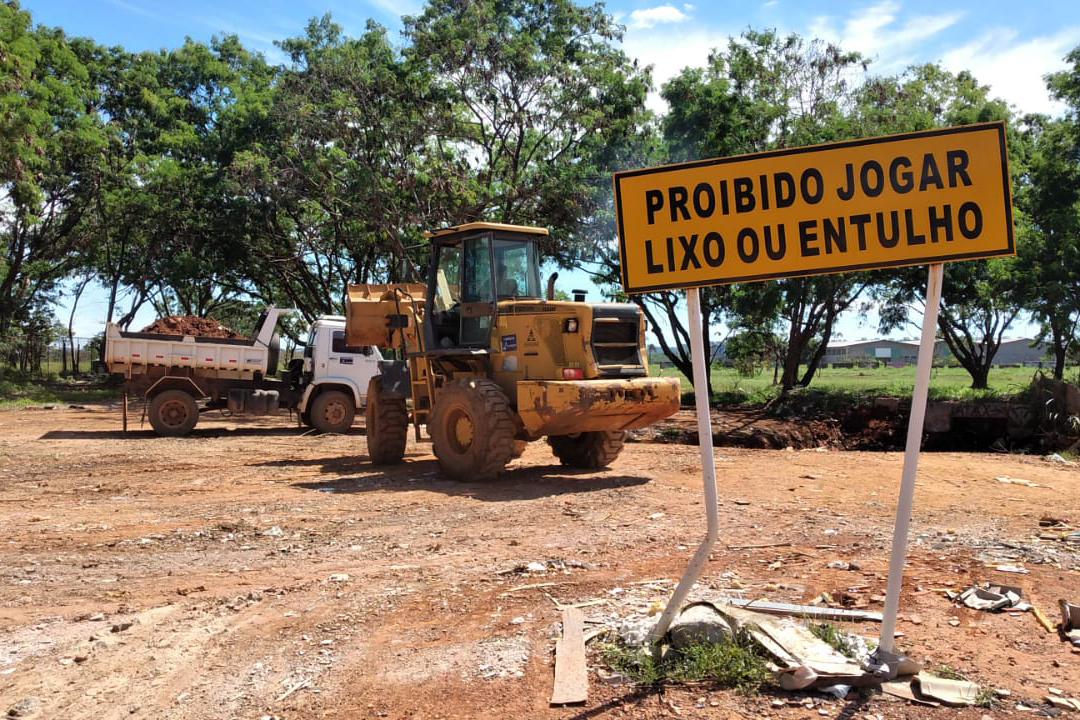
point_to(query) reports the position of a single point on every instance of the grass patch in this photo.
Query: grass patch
(736, 663)
(986, 698)
(944, 671)
(836, 639)
(16, 393)
(851, 385)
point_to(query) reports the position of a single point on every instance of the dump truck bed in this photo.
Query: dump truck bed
(130, 349)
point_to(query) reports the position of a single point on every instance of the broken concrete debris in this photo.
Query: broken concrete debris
(1070, 621)
(699, 623)
(990, 598)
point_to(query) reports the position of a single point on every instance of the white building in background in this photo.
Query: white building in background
(893, 352)
(1013, 351)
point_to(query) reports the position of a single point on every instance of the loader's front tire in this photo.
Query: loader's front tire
(332, 411)
(472, 429)
(386, 424)
(173, 413)
(589, 450)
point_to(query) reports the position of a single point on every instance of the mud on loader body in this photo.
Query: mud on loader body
(490, 364)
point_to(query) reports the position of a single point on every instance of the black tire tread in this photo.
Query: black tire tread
(154, 413)
(498, 448)
(386, 425)
(316, 412)
(588, 450)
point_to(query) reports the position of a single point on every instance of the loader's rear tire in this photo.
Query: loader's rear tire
(472, 429)
(173, 413)
(386, 425)
(590, 450)
(332, 411)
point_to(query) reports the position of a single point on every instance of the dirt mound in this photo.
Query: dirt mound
(190, 325)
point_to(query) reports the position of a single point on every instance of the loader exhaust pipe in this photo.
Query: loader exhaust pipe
(551, 285)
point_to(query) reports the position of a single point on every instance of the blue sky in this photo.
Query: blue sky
(1008, 49)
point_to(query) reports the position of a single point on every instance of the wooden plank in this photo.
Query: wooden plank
(571, 675)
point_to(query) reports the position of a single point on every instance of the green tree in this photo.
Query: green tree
(1048, 225)
(762, 92)
(542, 103)
(348, 172)
(48, 153)
(979, 298)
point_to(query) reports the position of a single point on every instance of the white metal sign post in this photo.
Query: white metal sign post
(911, 458)
(708, 469)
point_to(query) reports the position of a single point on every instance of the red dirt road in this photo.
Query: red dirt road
(251, 570)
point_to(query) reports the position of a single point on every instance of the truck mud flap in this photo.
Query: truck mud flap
(565, 407)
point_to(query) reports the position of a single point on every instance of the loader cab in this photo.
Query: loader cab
(475, 267)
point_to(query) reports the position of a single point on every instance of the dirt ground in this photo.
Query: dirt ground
(255, 571)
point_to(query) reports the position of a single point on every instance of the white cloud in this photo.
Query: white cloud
(670, 52)
(1011, 65)
(875, 32)
(1013, 68)
(649, 17)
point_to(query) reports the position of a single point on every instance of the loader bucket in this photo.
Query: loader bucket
(565, 407)
(373, 314)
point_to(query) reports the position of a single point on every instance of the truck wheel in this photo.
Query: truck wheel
(332, 412)
(173, 413)
(590, 450)
(386, 424)
(472, 429)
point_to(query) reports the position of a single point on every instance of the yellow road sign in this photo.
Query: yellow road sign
(910, 199)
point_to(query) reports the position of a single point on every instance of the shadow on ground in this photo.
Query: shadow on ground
(527, 483)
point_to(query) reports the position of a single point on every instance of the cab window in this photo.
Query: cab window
(337, 344)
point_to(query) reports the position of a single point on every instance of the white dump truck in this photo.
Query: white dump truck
(181, 374)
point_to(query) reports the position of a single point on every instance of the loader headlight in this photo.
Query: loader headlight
(570, 325)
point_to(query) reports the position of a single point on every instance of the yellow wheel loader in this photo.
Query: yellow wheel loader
(490, 361)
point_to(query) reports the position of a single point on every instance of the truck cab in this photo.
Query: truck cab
(330, 364)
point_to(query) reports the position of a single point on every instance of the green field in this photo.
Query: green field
(945, 383)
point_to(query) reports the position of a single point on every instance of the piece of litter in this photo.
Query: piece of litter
(1016, 481)
(1012, 569)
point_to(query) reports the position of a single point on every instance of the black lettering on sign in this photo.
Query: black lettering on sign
(704, 209)
(777, 252)
(901, 182)
(847, 191)
(725, 208)
(677, 199)
(764, 185)
(784, 189)
(652, 266)
(891, 240)
(811, 176)
(942, 223)
(913, 238)
(930, 175)
(713, 249)
(807, 236)
(834, 235)
(860, 222)
(688, 257)
(748, 254)
(671, 254)
(744, 195)
(969, 218)
(872, 178)
(957, 161)
(654, 201)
